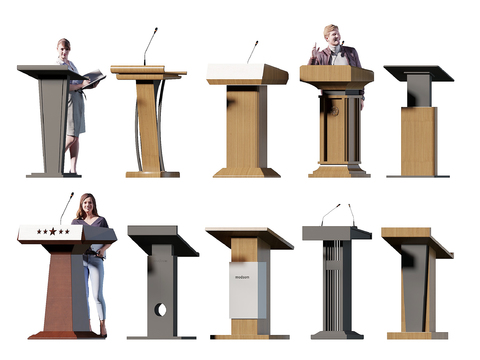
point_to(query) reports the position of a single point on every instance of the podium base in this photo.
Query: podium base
(347, 171)
(58, 335)
(161, 338)
(329, 335)
(417, 336)
(246, 173)
(53, 175)
(151, 174)
(418, 176)
(249, 337)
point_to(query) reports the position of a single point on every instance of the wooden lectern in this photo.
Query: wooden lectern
(149, 79)
(340, 113)
(419, 252)
(250, 280)
(163, 245)
(246, 116)
(419, 120)
(66, 312)
(53, 85)
(337, 278)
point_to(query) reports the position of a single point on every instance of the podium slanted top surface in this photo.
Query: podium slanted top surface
(400, 72)
(225, 235)
(144, 72)
(146, 236)
(65, 234)
(334, 233)
(245, 74)
(336, 77)
(397, 237)
(41, 72)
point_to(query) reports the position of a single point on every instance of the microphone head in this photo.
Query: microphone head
(71, 195)
(256, 43)
(155, 30)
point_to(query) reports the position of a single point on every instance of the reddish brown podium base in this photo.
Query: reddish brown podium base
(56, 335)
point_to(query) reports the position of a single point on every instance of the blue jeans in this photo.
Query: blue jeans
(93, 268)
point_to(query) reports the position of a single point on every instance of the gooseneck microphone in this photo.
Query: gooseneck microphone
(71, 195)
(329, 213)
(353, 217)
(254, 46)
(145, 54)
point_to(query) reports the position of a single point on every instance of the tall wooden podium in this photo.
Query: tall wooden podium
(419, 120)
(246, 116)
(340, 114)
(419, 252)
(163, 245)
(53, 85)
(66, 312)
(250, 280)
(337, 278)
(150, 82)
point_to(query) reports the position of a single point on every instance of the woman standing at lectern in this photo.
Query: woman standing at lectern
(93, 258)
(76, 106)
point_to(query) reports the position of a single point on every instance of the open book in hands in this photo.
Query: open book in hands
(95, 77)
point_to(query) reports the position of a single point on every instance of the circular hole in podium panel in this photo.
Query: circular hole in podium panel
(160, 309)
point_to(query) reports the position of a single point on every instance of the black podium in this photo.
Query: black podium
(337, 278)
(163, 245)
(53, 85)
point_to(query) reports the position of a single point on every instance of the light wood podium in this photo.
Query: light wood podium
(66, 312)
(149, 80)
(419, 120)
(246, 116)
(337, 278)
(250, 280)
(53, 86)
(419, 252)
(163, 245)
(340, 114)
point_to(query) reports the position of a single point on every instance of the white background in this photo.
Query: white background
(192, 35)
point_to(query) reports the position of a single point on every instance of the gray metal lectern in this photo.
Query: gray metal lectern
(163, 245)
(337, 278)
(53, 85)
